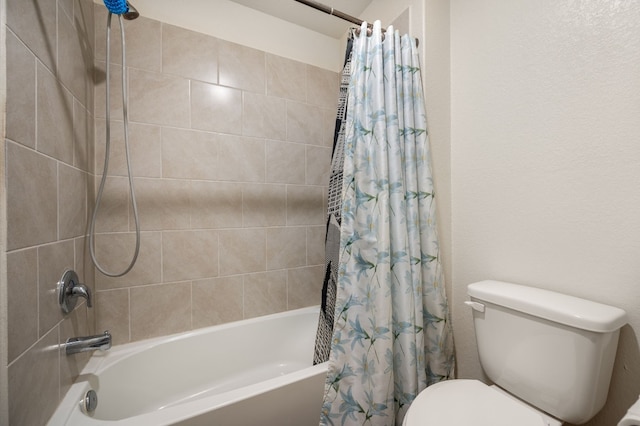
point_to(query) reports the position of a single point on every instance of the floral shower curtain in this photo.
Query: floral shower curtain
(392, 336)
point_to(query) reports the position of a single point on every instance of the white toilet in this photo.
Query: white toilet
(550, 356)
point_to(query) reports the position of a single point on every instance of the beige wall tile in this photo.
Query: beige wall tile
(159, 310)
(21, 93)
(189, 255)
(146, 153)
(189, 54)
(162, 203)
(113, 211)
(143, 41)
(242, 67)
(264, 205)
(202, 159)
(83, 138)
(22, 301)
(215, 205)
(216, 108)
(31, 197)
(100, 96)
(34, 22)
(241, 159)
(316, 236)
(75, 63)
(83, 17)
(265, 293)
(242, 251)
(53, 260)
(263, 116)
(305, 205)
(144, 148)
(54, 118)
(112, 313)
(34, 382)
(66, 6)
(115, 251)
(156, 98)
(322, 87)
(216, 301)
(286, 247)
(304, 286)
(100, 14)
(189, 154)
(72, 202)
(318, 165)
(286, 78)
(285, 162)
(304, 123)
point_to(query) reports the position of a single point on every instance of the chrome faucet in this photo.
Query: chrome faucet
(100, 342)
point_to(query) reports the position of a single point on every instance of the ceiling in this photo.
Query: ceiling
(305, 16)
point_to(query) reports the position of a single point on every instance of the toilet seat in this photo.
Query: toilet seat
(470, 402)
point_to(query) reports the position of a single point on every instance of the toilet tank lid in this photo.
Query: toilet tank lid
(557, 307)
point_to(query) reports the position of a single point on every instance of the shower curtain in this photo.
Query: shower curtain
(392, 335)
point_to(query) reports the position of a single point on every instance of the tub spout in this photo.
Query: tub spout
(100, 342)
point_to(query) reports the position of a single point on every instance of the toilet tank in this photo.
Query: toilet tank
(553, 351)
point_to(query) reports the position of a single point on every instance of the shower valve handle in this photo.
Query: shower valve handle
(69, 289)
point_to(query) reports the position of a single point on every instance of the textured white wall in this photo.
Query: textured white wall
(546, 160)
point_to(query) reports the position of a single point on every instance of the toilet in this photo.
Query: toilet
(549, 356)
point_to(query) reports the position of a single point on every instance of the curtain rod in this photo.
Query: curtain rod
(331, 11)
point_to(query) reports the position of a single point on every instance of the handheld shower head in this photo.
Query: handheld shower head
(122, 7)
(131, 13)
(117, 7)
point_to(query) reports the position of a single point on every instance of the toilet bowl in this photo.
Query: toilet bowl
(470, 402)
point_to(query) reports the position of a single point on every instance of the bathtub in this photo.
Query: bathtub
(251, 372)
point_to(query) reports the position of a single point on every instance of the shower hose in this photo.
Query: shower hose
(92, 224)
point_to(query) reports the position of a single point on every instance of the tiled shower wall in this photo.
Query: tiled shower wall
(48, 147)
(230, 151)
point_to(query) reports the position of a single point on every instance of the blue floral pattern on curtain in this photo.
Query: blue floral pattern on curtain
(392, 335)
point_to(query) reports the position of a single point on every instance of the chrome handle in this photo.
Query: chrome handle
(80, 290)
(69, 289)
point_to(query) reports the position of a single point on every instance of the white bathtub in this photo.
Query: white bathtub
(252, 372)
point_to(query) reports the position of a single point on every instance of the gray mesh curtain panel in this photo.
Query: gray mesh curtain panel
(334, 211)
